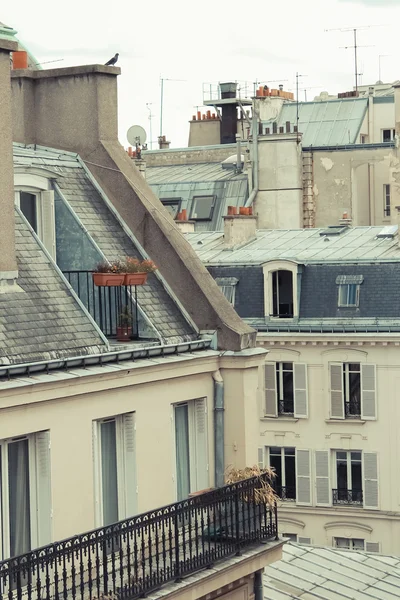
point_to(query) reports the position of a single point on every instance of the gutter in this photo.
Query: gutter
(29, 369)
(254, 190)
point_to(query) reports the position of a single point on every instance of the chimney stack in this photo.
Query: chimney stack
(8, 261)
(182, 222)
(345, 220)
(163, 142)
(239, 229)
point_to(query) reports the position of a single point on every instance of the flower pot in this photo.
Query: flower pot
(108, 279)
(124, 333)
(135, 278)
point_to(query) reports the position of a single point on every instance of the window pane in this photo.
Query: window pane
(342, 295)
(275, 284)
(109, 472)
(290, 476)
(228, 292)
(19, 502)
(275, 462)
(202, 207)
(285, 292)
(171, 206)
(354, 367)
(351, 299)
(341, 471)
(358, 544)
(356, 479)
(342, 543)
(182, 451)
(27, 203)
(287, 366)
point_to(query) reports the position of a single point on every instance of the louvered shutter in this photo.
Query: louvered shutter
(96, 474)
(128, 433)
(336, 391)
(48, 223)
(303, 477)
(300, 391)
(368, 392)
(261, 454)
(271, 403)
(322, 481)
(370, 476)
(372, 546)
(200, 421)
(304, 540)
(43, 484)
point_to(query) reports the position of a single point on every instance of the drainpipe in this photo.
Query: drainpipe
(219, 436)
(238, 154)
(258, 585)
(254, 190)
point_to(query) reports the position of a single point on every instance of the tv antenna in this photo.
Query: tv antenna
(162, 79)
(148, 106)
(355, 46)
(297, 103)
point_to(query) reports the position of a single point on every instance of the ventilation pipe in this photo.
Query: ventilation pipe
(219, 434)
(258, 585)
(238, 154)
(254, 190)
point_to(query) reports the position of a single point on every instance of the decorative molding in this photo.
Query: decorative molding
(346, 524)
(294, 522)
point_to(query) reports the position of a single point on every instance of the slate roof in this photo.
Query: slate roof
(355, 244)
(329, 123)
(104, 229)
(44, 321)
(307, 572)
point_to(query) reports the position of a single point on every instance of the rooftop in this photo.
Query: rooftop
(307, 246)
(307, 572)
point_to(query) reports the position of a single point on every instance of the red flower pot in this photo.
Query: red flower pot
(135, 278)
(108, 279)
(124, 333)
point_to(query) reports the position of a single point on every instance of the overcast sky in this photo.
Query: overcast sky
(209, 42)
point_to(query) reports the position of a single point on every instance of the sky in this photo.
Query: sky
(189, 44)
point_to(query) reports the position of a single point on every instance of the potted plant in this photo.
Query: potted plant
(137, 270)
(124, 327)
(109, 274)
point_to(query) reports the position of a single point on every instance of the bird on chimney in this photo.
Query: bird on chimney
(112, 60)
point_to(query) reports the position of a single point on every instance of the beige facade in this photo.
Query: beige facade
(318, 432)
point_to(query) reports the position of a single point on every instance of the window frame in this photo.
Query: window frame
(351, 543)
(357, 295)
(283, 450)
(193, 206)
(346, 388)
(392, 135)
(268, 269)
(280, 388)
(386, 197)
(227, 285)
(172, 202)
(349, 476)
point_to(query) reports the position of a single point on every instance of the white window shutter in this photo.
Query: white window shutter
(128, 433)
(300, 391)
(43, 486)
(368, 392)
(336, 391)
(271, 402)
(200, 422)
(372, 547)
(96, 474)
(261, 455)
(370, 475)
(322, 480)
(304, 540)
(48, 222)
(303, 477)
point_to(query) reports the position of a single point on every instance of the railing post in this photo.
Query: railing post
(276, 520)
(176, 539)
(237, 520)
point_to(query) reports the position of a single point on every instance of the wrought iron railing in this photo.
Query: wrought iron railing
(352, 408)
(140, 554)
(105, 304)
(285, 492)
(285, 407)
(348, 497)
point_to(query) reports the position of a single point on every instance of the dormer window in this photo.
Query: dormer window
(349, 290)
(280, 289)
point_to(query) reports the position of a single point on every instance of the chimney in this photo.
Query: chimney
(345, 220)
(239, 229)
(8, 261)
(162, 142)
(229, 112)
(182, 222)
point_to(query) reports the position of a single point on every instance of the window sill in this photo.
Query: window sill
(341, 421)
(279, 418)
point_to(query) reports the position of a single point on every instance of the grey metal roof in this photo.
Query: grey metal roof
(329, 123)
(107, 233)
(310, 573)
(44, 322)
(306, 246)
(191, 173)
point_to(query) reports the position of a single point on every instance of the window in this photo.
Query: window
(286, 390)
(386, 200)
(202, 208)
(290, 536)
(388, 135)
(191, 447)
(25, 493)
(37, 206)
(172, 205)
(348, 472)
(363, 139)
(283, 461)
(115, 472)
(352, 390)
(282, 294)
(349, 543)
(29, 208)
(348, 294)
(227, 286)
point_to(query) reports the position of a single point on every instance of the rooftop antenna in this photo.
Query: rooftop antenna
(257, 83)
(381, 56)
(355, 46)
(297, 103)
(47, 62)
(148, 106)
(162, 79)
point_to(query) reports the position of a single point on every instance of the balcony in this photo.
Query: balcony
(352, 408)
(285, 492)
(141, 554)
(286, 407)
(343, 497)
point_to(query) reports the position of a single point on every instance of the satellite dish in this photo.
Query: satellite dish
(136, 135)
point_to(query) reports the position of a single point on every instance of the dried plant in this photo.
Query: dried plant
(264, 492)
(115, 266)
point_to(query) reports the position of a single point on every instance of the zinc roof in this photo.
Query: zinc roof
(355, 244)
(330, 123)
(191, 173)
(308, 573)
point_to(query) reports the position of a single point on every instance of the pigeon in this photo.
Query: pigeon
(112, 60)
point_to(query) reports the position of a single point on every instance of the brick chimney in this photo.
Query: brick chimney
(8, 261)
(239, 229)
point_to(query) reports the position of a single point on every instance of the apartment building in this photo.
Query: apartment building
(325, 305)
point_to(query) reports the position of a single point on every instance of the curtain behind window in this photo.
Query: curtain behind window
(19, 503)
